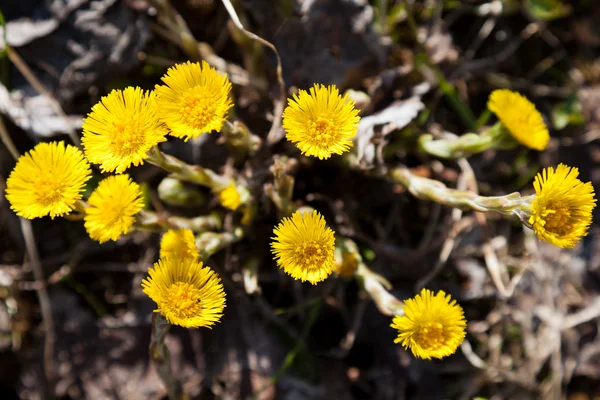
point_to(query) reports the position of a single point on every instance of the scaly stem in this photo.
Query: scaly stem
(429, 189)
(495, 137)
(208, 243)
(148, 220)
(159, 353)
(185, 172)
(377, 288)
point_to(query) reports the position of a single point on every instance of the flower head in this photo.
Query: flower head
(179, 243)
(121, 129)
(194, 99)
(187, 294)
(112, 208)
(230, 197)
(304, 247)
(346, 264)
(520, 117)
(347, 258)
(561, 211)
(432, 326)
(321, 122)
(47, 180)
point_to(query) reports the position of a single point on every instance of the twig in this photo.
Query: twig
(5, 137)
(495, 269)
(41, 89)
(449, 90)
(348, 340)
(484, 64)
(484, 32)
(38, 275)
(470, 355)
(44, 299)
(275, 132)
(587, 314)
(40, 283)
(466, 180)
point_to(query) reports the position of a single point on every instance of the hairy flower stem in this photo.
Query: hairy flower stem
(159, 353)
(282, 189)
(495, 137)
(208, 243)
(185, 172)
(376, 286)
(240, 141)
(429, 189)
(148, 220)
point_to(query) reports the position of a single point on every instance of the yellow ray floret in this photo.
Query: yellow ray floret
(48, 180)
(179, 243)
(230, 197)
(346, 265)
(187, 294)
(194, 99)
(321, 122)
(432, 326)
(121, 129)
(520, 117)
(561, 212)
(112, 208)
(304, 247)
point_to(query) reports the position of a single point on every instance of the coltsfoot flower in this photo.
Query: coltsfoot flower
(187, 294)
(230, 197)
(112, 208)
(347, 258)
(304, 247)
(194, 99)
(179, 243)
(346, 267)
(47, 180)
(561, 211)
(121, 129)
(520, 117)
(432, 326)
(321, 122)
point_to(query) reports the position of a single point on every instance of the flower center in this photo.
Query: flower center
(128, 136)
(183, 300)
(556, 217)
(114, 211)
(49, 189)
(430, 336)
(310, 253)
(323, 132)
(197, 107)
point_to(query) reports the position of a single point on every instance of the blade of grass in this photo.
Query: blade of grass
(288, 361)
(449, 91)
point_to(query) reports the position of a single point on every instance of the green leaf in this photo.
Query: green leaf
(567, 113)
(547, 10)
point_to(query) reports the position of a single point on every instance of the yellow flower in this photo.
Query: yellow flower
(432, 326)
(304, 247)
(520, 117)
(230, 197)
(195, 99)
(561, 211)
(112, 208)
(179, 243)
(48, 180)
(321, 122)
(121, 129)
(347, 258)
(187, 294)
(347, 264)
